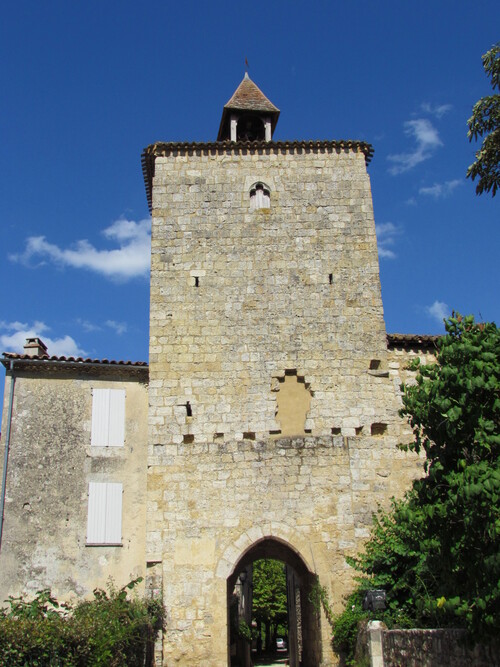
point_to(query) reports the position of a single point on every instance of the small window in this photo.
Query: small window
(104, 519)
(108, 418)
(259, 197)
(378, 428)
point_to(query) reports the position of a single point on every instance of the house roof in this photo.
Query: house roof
(41, 362)
(80, 360)
(249, 97)
(162, 149)
(408, 341)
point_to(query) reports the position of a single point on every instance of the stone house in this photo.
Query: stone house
(266, 422)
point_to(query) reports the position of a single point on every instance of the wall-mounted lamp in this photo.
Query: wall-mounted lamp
(374, 600)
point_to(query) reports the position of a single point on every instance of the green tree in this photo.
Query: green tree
(269, 602)
(437, 552)
(485, 123)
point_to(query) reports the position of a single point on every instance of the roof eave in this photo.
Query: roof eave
(16, 361)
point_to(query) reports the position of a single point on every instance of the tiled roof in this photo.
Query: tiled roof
(175, 148)
(8, 356)
(249, 97)
(412, 340)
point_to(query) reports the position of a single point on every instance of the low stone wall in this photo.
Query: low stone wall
(435, 648)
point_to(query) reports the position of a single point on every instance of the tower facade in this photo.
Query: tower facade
(273, 406)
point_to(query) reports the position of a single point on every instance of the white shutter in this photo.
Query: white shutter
(108, 418)
(104, 520)
(96, 518)
(100, 417)
(114, 513)
(116, 435)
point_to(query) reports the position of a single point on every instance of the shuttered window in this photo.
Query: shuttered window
(104, 520)
(108, 418)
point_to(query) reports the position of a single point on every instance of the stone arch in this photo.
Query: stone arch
(304, 619)
(278, 531)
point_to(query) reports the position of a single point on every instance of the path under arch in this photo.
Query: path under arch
(303, 617)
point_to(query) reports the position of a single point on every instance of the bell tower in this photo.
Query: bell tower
(249, 115)
(272, 416)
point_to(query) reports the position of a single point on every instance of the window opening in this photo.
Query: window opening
(378, 428)
(260, 197)
(250, 128)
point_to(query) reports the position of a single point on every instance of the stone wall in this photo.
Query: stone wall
(239, 296)
(433, 648)
(50, 465)
(243, 302)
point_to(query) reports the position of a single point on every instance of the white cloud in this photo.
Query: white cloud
(88, 326)
(119, 327)
(386, 233)
(427, 141)
(14, 337)
(441, 190)
(439, 310)
(129, 260)
(437, 110)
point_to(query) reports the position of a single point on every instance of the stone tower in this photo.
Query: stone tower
(272, 413)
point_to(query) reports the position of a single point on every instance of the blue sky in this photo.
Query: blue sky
(87, 85)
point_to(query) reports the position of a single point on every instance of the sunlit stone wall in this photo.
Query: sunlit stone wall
(243, 301)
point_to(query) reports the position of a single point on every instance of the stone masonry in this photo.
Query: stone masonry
(242, 299)
(50, 464)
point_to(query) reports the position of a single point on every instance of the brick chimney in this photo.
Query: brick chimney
(35, 347)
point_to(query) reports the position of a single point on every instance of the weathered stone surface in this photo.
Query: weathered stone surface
(50, 465)
(444, 647)
(284, 295)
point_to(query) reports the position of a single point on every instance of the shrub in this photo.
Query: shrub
(436, 553)
(112, 629)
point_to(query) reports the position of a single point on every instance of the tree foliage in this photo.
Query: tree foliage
(269, 602)
(437, 552)
(485, 123)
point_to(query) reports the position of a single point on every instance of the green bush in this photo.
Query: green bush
(112, 629)
(436, 553)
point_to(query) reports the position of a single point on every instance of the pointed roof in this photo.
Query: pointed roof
(248, 97)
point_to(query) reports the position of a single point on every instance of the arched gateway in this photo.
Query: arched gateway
(304, 640)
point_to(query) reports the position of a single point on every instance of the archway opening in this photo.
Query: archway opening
(250, 128)
(272, 569)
